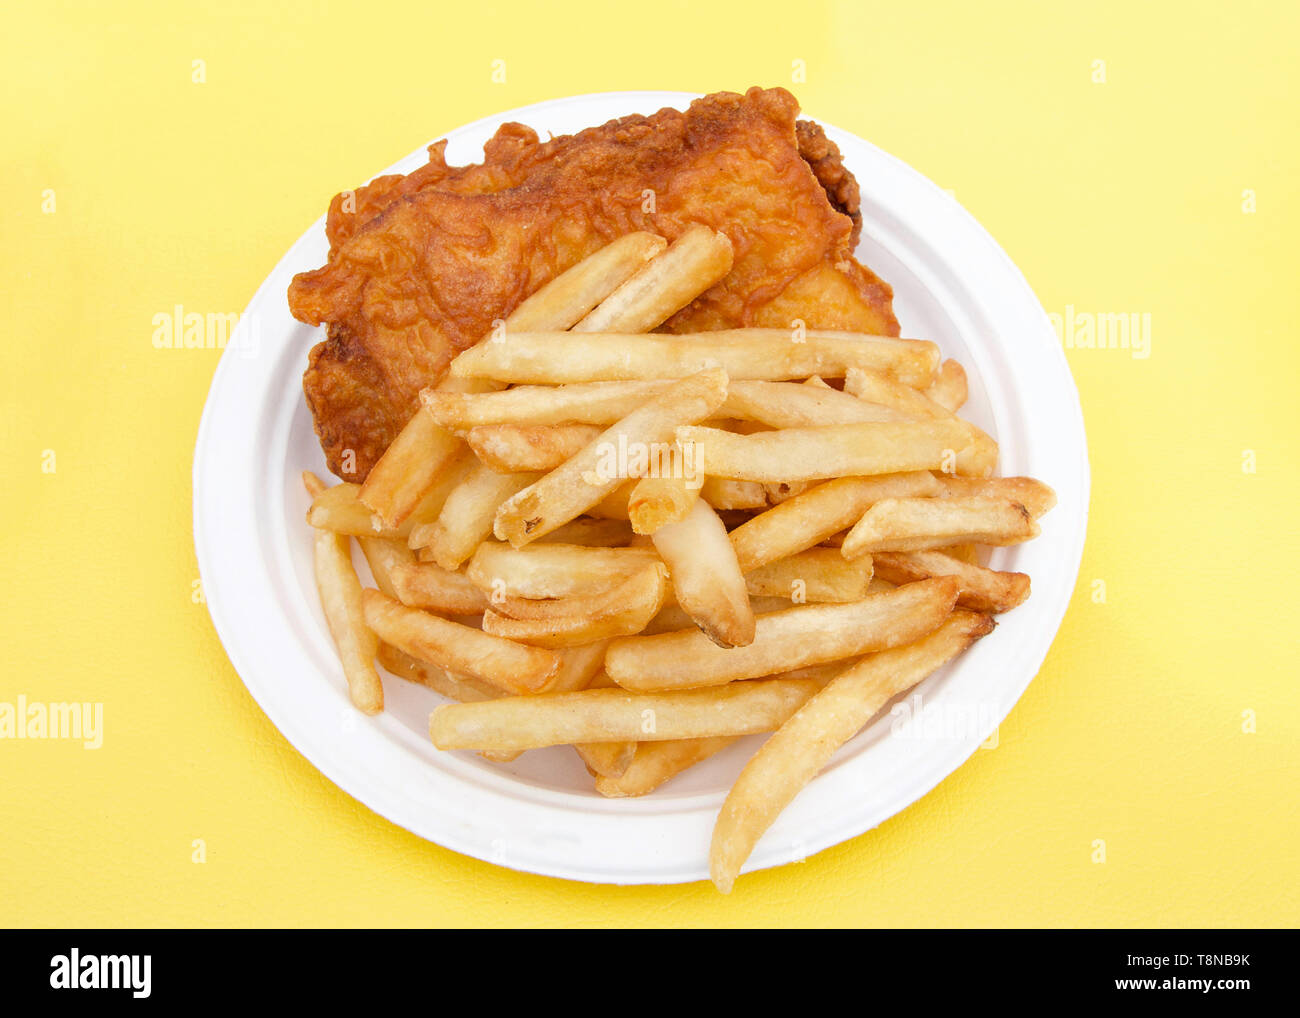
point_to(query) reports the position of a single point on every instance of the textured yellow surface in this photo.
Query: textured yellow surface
(1167, 189)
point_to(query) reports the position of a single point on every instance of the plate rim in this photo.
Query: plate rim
(852, 822)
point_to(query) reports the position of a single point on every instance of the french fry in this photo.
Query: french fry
(579, 666)
(514, 448)
(820, 512)
(665, 495)
(383, 556)
(976, 457)
(799, 405)
(457, 648)
(804, 635)
(782, 491)
(466, 519)
(920, 524)
(723, 493)
(341, 601)
(817, 575)
(664, 285)
(654, 763)
(591, 475)
(707, 581)
(553, 358)
(591, 532)
(801, 747)
(338, 509)
(433, 588)
(1034, 495)
(591, 403)
(552, 570)
(983, 590)
(422, 450)
(647, 581)
(949, 386)
(460, 688)
(673, 617)
(613, 506)
(606, 715)
(629, 608)
(832, 450)
(605, 759)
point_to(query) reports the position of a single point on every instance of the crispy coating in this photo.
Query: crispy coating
(421, 266)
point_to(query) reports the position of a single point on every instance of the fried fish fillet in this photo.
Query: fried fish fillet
(421, 265)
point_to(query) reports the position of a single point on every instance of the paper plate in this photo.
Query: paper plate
(952, 284)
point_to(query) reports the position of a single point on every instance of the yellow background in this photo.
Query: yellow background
(1122, 196)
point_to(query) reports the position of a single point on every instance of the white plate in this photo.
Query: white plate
(952, 284)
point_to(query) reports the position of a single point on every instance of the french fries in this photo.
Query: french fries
(551, 570)
(647, 546)
(832, 450)
(803, 744)
(805, 635)
(918, 524)
(983, 590)
(513, 448)
(512, 667)
(341, 598)
(553, 358)
(819, 513)
(429, 586)
(707, 581)
(596, 715)
(570, 490)
(422, 451)
(666, 284)
(815, 575)
(626, 610)
(466, 518)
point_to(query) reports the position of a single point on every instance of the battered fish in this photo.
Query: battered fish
(421, 265)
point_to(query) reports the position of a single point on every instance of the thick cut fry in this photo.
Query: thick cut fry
(466, 519)
(422, 451)
(552, 570)
(629, 608)
(820, 512)
(653, 763)
(707, 581)
(722, 493)
(429, 586)
(760, 354)
(383, 557)
(604, 715)
(665, 495)
(509, 666)
(919, 524)
(605, 759)
(1034, 495)
(591, 475)
(983, 590)
(513, 448)
(949, 386)
(801, 747)
(673, 617)
(816, 575)
(978, 455)
(805, 635)
(341, 601)
(833, 450)
(591, 532)
(459, 688)
(664, 285)
(338, 509)
(799, 405)
(593, 403)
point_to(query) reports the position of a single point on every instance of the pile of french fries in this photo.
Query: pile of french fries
(648, 545)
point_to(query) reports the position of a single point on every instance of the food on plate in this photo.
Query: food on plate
(637, 459)
(420, 267)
